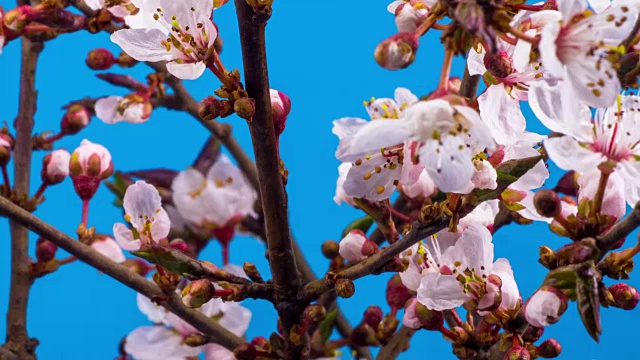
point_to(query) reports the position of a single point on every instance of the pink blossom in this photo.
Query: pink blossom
(108, 247)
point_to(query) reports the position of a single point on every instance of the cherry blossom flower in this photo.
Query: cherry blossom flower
(376, 148)
(121, 8)
(143, 211)
(55, 166)
(133, 108)
(464, 272)
(108, 247)
(612, 137)
(184, 36)
(448, 137)
(356, 246)
(221, 198)
(574, 45)
(545, 306)
(410, 13)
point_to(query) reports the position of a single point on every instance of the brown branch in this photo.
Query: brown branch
(398, 343)
(284, 269)
(122, 274)
(399, 204)
(469, 85)
(620, 231)
(17, 338)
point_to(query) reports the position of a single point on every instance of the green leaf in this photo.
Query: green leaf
(364, 224)
(589, 299)
(508, 173)
(326, 326)
(173, 260)
(564, 278)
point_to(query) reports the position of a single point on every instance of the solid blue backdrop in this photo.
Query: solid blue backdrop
(321, 55)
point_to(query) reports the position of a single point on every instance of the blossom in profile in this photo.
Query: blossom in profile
(410, 13)
(89, 164)
(133, 108)
(545, 306)
(179, 32)
(148, 220)
(55, 167)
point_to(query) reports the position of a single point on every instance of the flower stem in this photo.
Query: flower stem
(7, 181)
(40, 191)
(67, 260)
(54, 138)
(85, 212)
(225, 253)
(446, 70)
(399, 215)
(602, 185)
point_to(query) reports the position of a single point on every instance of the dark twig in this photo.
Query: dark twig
(469, 85)
(398, 343)
(17, 338)
(145, 287)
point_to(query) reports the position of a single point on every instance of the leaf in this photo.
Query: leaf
(563, 278)
(326, 326)
(589, 299)
(363, 224)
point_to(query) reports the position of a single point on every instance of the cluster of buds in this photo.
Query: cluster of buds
(90, 163)
(211, 108)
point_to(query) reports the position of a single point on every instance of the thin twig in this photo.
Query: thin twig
(398, 343)
(469, 85)
(17, 338)
(122, 274)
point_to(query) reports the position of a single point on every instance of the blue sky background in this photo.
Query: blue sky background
(322, 57)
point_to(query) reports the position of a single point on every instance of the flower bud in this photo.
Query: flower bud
(532, 334)
(373, 316)
(209, 108)
(624, 296)
(547, 203)
(45, 250)
(55, 167)
(548, 258)
(363, 335)
(545, 306)
(126, 61)
(517, 353)
(245, 108)
(197, 293)
(568, 184)
(577, 252)
(330, 249)
(345, 288)
(280, 109)
(314, 313)
(549, 349)
(16, 19)
(138, 266)
(245, 351)
(261, 342)
(179, 244)
(499, 64)
(356, 246)
(430, 319)
(397, 293)
(410, 15)
(75, 119)
(397, 52)
(100, 59)
(90, 163)
(6, 144)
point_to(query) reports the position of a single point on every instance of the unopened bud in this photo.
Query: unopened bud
(260, 341)
(55, 167)
(90, 163)
(16, 19)
(577, 252)
(547, 203)
(314, 313)
(252, 272)
(330, 249)
(138, 266)
(549, 349)
(6, 144)
(567, 184)
(280, 109)
(499, 64)
(197, 293)
(245, 108)
(397, 52)
(430, 319)
(179, 244)
(75, 119)
(532, 334)
(624, 296)
(209, 108)
(397, 293)
(372, 316)
(345, 288)
(166, 281)
(545, 306)
(548, 258)
(245, 351)
(100, 59)
(126, 61)
(45, 250)
(517, 353)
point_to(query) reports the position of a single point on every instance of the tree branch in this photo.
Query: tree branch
(620, 231)
(398, 343)
(284, 269)
(17, 338)
(136, 282)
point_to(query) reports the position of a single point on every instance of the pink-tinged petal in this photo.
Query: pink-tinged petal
(545, 307)
(448, 164)
(347, 127)
(107, 109)
(502, 114)
(477, 248)
(109, 248)
(441, 292)
(340, 195)
(415, 180)
(613, 203)
(153, 311)
(509, 289)
(186, 71)
(410, 318)
(535, 177)
(485, 176)
(374, 179)
(547, 45)
(394, 6)
(594, 80)
(94, 4)
(161, 225)
(412, 276)
(522, 53)
(217, 352)
(475, 62)
(484, 214)
(568, 154)
(599, 5)
(480, 133)
(235, 318)
(556, 107)
(142, 44)
(373, 136)
(569, 8)
(136, 114)
(157, 342)
(630, 171)
(404, 98)
(142, 202)
(351, 246)
(124, 237)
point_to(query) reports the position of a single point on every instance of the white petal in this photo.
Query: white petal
(475, 62)
(365, 181)
(340, 195)
(509, 289)
(217, 352)
(142, 44)
(109, 248)
(94, 4)
(522, 53)
(599, 5)
(124, 237)
(154, 313)
(347, 127)
(569, 8)
(594, 80)
(405, 98)
(547, 45)
(567, 153)
(373, 136)
(542, 308)
(613, 203)
(187, 71)
(236, 318)
(440, 292)
(157, 342)
(410, 318)
(535, 177)
(141, 202)
(351, 246)
(449, 164)
(477, 248)
(502, 114)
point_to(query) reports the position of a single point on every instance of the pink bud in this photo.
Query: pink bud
(517, 353)
(410, 15)
(16, 19)
(397, 294)
(352, 245)
(197, 293)
(90, 163)
(179, 244)
(373, 316)
(45, 250)
(55, 167)
(6, 144)
(280, 109)
(100, 59)
(545, 306)
(549, 349)
(625, 296)
(398, 51)
(209, 108)
(499, 64)
(76, 119)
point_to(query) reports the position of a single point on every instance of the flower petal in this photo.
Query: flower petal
(107, 109)
(448, 164)
(568, 154)
(502, 114)
(142, 44)
(186, 71)
(109, 248)
(124, 237)
(441, 292)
